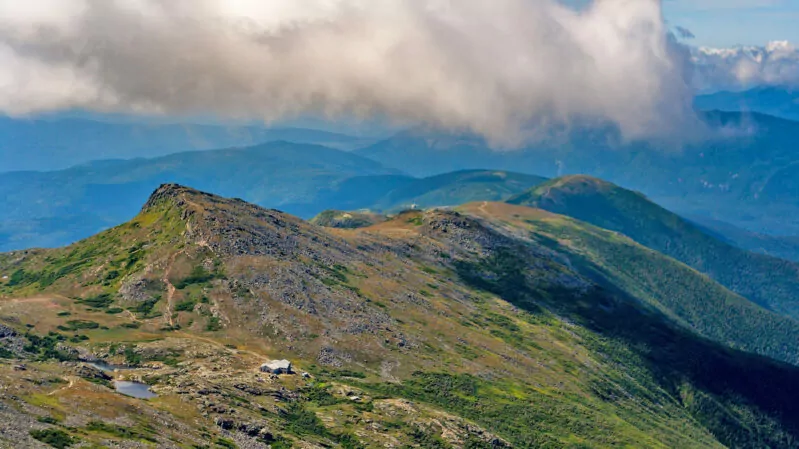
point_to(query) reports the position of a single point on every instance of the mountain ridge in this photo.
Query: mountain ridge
(97, 198)
(299, 178)
(466, 314)
(720, 173)
(763, 279)
(62, 143)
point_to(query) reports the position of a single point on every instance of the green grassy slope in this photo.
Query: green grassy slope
(451, 330)
(457, 188)
(768, 281)
(681, 293)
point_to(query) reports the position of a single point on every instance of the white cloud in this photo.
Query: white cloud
(776, 63)
(490, 67)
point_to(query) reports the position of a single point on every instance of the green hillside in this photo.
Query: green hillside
(681, 293)
(457, 188)
(768, 281)
(347, 220)
(433, 329)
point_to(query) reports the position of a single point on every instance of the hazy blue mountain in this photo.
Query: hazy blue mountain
(425, 152)
(784, 247)
(62, 143)
(777, 101)
(55, 208)
(742, 172)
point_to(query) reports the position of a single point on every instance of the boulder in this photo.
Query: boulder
(7, 332)
(91, 373)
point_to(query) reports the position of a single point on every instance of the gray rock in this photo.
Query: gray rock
(90, 372)
(7, 332)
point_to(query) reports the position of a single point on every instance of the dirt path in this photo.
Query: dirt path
(38, 298)
(220, 345)
(45, 300)
(170, 289)
(66, 387)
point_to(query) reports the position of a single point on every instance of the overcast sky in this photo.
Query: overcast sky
(501, 68)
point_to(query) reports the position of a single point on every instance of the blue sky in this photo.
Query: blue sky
(733, 22)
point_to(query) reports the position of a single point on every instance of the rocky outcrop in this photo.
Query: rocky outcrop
(261, 431)
(91, 373)
(7, 332)
(11, 341)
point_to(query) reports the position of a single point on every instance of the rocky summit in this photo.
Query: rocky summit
(484, 326)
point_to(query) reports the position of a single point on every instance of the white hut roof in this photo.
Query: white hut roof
(277, 364)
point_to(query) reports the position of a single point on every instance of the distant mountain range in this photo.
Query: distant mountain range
(784, 247)
(62, 143)
(54, 208)
(46, 209)
(741, 172)
(780, 102)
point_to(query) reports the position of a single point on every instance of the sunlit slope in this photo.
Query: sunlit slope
(463, 329)
(768, 281)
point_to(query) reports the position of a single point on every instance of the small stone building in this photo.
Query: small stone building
(276, 367)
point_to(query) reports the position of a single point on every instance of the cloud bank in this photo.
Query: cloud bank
(498, 68)
(738, 68)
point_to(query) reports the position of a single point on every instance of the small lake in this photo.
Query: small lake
(134, 389)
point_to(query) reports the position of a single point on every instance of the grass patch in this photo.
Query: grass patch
(301, 421)
(54, 437)
(186, 306)
(78, 338)
(416, 221)
(340, 373)
(225, 443)
(320, 394)
(127, 433)
(45, 347)
(75, 325)
(131, 357)
(145, 308)
(47, 420)
(100, 301)
(214, 324)
(198, 275)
